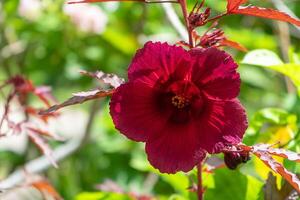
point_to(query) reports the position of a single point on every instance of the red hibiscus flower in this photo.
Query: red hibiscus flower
(181, 103)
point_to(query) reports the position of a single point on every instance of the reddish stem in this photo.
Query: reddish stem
(185, 16)
(199, 177)
(217, 17)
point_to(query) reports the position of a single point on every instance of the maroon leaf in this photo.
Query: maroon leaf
(79, 98)
(234, 4)
(42, 145)
(110, 79)
(277, 152)
(44, 133)
(35, 113)
(265, 13)
(44, 94)
(233, 44)
(278, 168)
(34, 187)
(46, 189)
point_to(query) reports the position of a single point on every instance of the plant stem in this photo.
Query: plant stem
(199, 177)
(185, 16)
(217, 17)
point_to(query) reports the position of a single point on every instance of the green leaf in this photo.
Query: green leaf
(273, 115)
(290, 70)
(271, 124)
(270, 60)
(177, 197)
(262, 57)
(101, 195)
(233, 185)
(125, 43)
(179, 182)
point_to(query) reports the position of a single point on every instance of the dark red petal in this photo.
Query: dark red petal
(222, 123)
(134, 112)
(211, 63)
(215, 72)
(174, 149)
(159, 61)
(223, 88)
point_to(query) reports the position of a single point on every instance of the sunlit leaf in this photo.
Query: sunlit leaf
(233, 44)
(270, 60)
(233, 185)
(262, 57)
(110, 79)
(290, 155)
(101, 196)
(124, 42)
(234, 4)
(290, 70)
(265, 13)
(79, 98)
(179, 181)
(278, 168)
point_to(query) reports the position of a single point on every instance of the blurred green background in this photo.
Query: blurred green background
(49, 42)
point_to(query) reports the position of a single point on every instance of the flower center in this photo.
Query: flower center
(180, 101)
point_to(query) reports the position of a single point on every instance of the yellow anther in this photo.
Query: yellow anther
(179, 101)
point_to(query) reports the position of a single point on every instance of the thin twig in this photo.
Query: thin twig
(183, 5)
(175, 21)
(42, 163)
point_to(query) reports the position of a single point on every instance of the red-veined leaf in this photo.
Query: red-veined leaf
(277, 152)
(265, 13)
(35, 113)
(233, 44)
(42, 145)
(79, 98)
(110, 79)
(278, 168)
(44, 94)
(33, 187)
(46, 189)
(44, 133)
(234, 4)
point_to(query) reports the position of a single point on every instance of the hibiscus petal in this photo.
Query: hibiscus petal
(215, 71)
(223, 88)
(159, 61)
(222, 123)
(174, 149)
(134, 111)
(212, 63)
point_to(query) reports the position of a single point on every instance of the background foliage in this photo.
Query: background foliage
(49, 48)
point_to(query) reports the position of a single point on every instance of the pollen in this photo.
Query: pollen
(180, 101)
